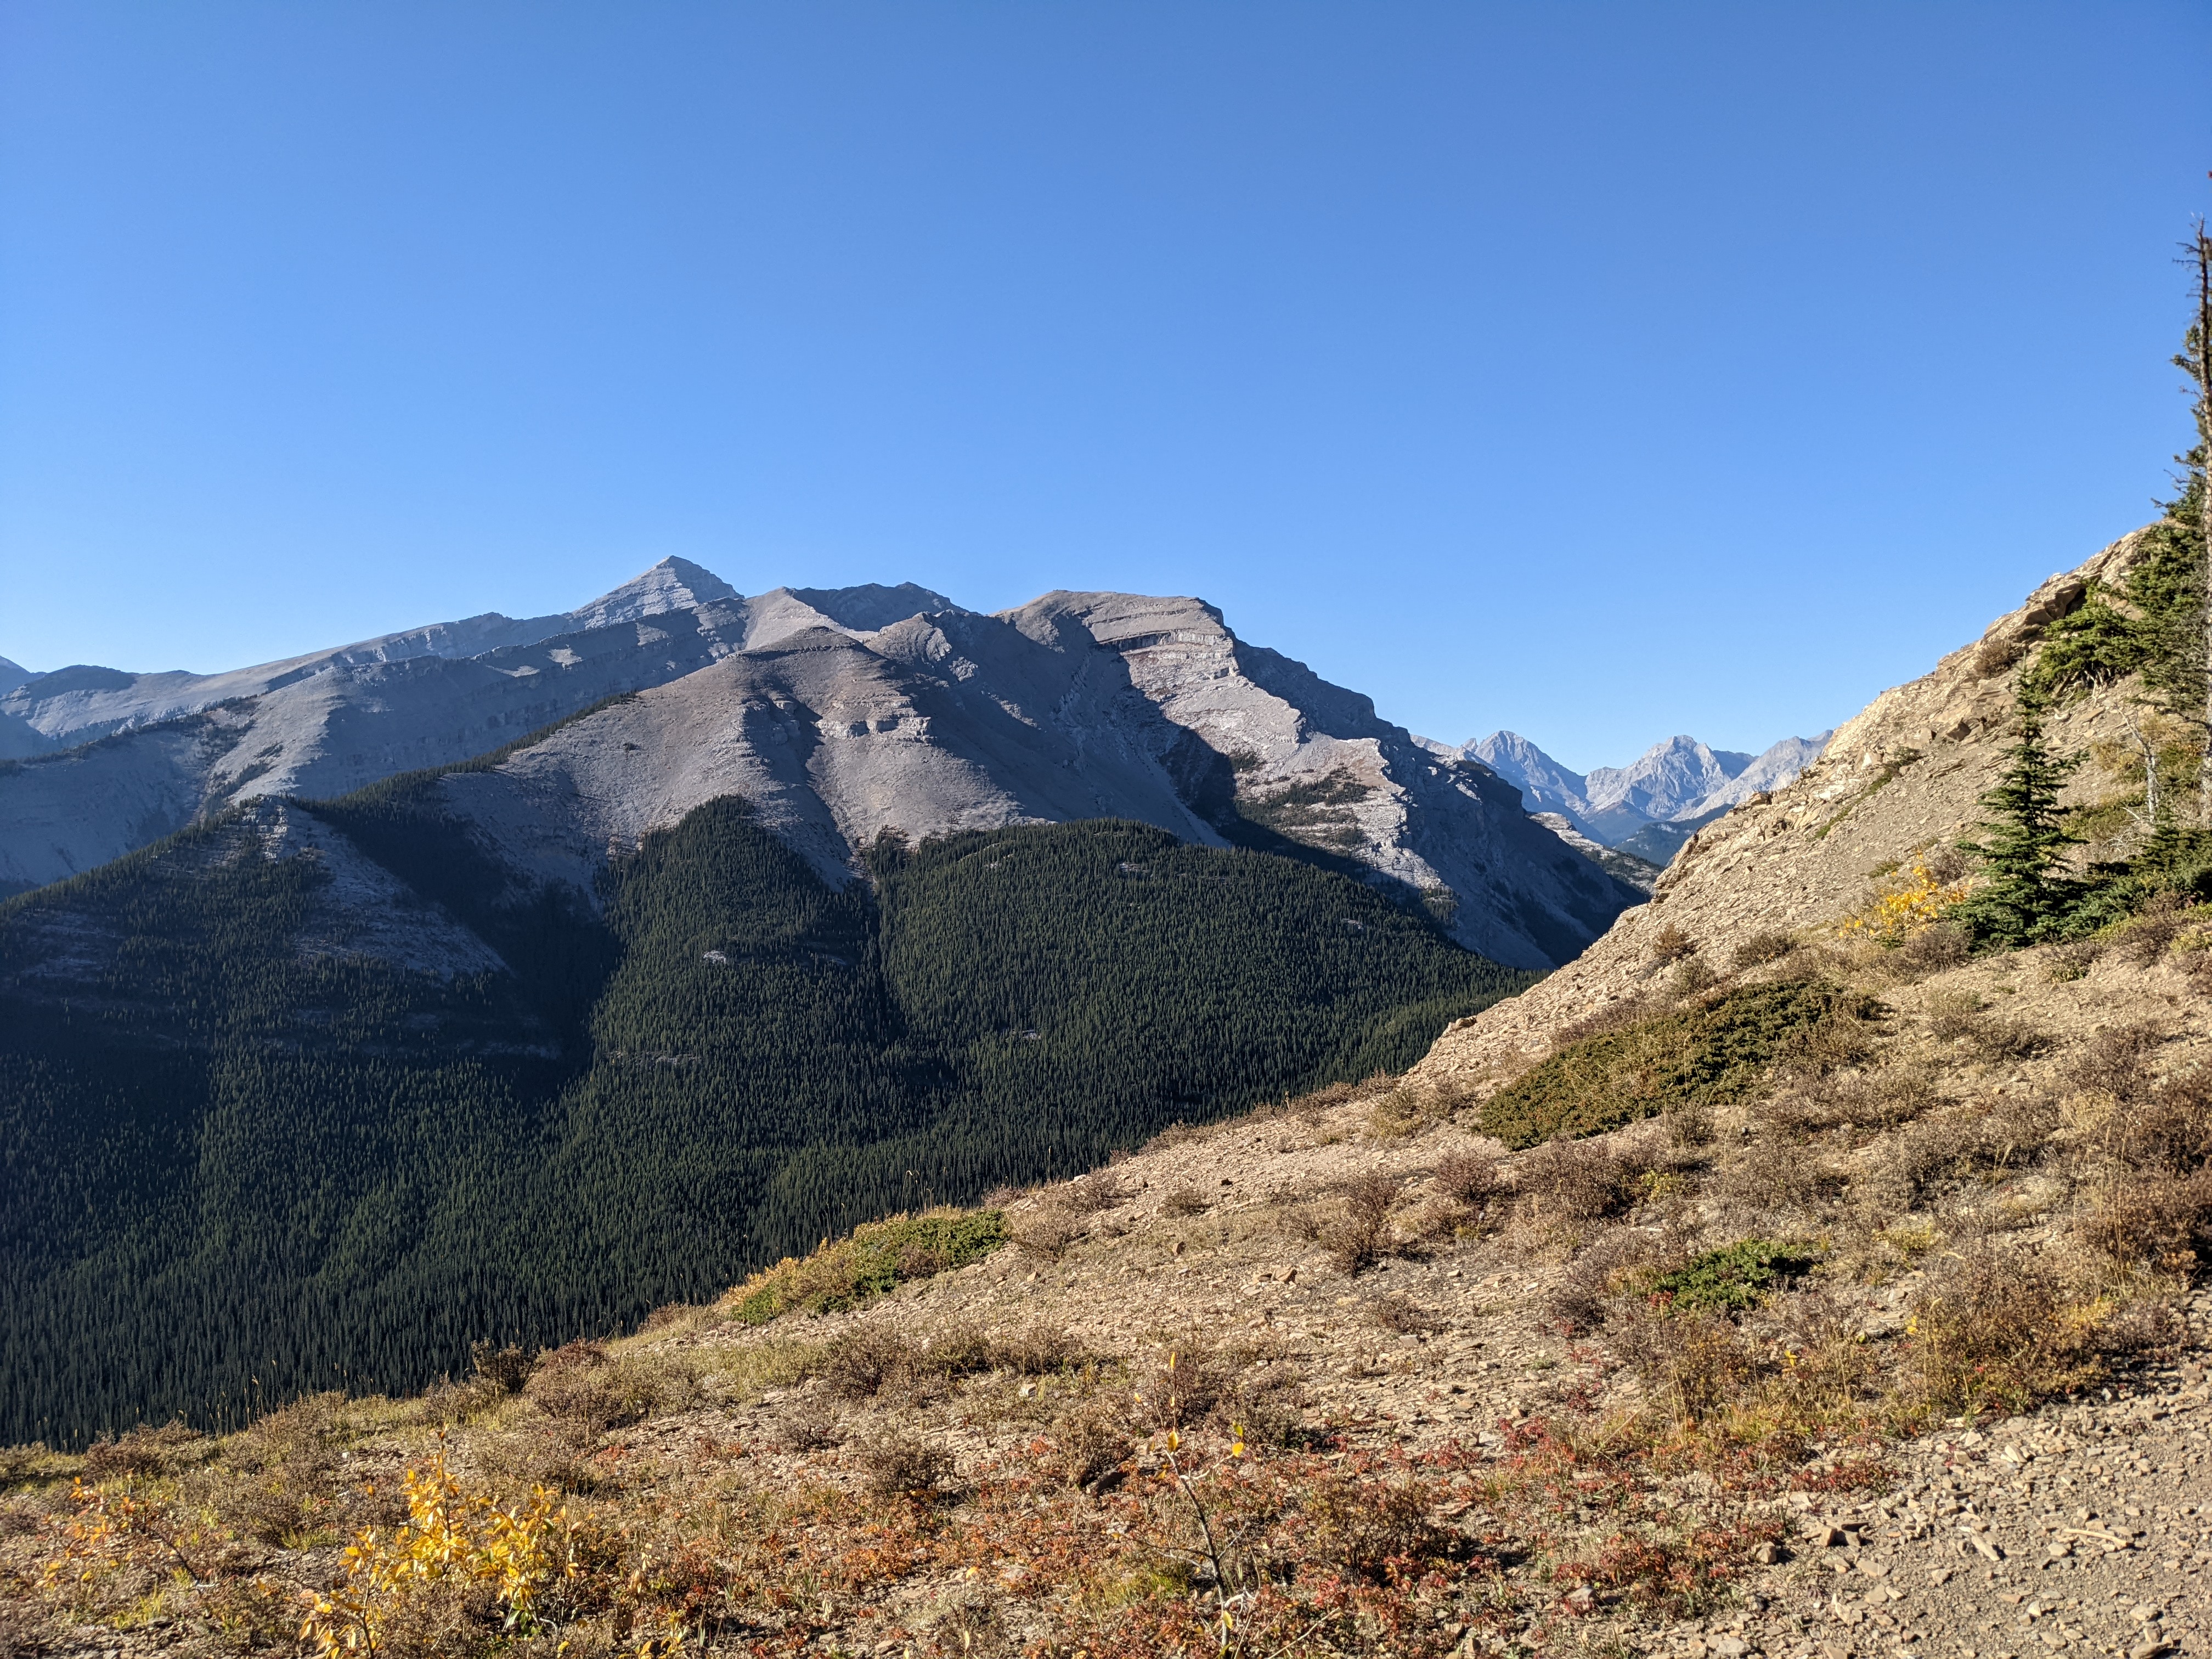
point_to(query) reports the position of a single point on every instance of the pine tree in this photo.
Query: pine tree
(2196, 359)
(2027, 897)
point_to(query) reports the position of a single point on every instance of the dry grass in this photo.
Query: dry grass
(807, 1422)
(504, 1369)
(1467, 1177)
(141, 1453)
(1961, 1018)
(584, 1388)
(2115, 1061)
(1995, 1331)
(1402, 1316)
(869, 1360)
(901, 1465)
(1696, 1364)
(1379, 1530)
(2164, 1127)
(2150, 934)
(1614, 1267)
(1102, 1191)
(1876, 1101)
(1760, 949)
(1050, 1230)
(860, 1364)
(1089, 1444)
(2163, 1221)
(1934, 949)
(1362, 1235)
(1774, 1177)
(1574, 1181)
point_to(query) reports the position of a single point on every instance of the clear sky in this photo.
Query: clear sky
(1600, 370)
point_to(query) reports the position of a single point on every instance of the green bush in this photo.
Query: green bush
(1712, 1052)
(869, 1263)
(1730, 1279)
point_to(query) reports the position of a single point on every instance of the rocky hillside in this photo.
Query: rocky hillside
(1901, 781)
(840, 714)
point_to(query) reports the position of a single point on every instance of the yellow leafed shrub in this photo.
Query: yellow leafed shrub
(450, 1537)
(1909, 900)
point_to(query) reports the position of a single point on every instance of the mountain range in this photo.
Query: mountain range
(839, 713)
(1649, 807)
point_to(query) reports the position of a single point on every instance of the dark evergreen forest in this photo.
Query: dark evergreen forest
(231, 1172)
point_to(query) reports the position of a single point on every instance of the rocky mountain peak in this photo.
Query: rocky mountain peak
(1545, 785)
(1656, 802)
(838, 713)
(672, 585)
(1668, 779)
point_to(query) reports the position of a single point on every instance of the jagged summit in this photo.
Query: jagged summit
(672, 585)
(1667, 781)
(1546, 784)
(1671, 788)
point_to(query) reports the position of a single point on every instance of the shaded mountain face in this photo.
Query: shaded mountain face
(338, 1089)
(841, 713)
(1652, 805)
(1625, 862)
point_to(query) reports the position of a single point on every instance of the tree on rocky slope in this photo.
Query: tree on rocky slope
(2196, 358)
(2027, 896)
(2156, 623)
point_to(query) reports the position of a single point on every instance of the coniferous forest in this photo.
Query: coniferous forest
(234, 1168)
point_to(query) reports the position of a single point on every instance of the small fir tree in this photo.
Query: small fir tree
(2027, 897)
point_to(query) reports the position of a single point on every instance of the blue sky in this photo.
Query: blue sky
(1598, 371)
